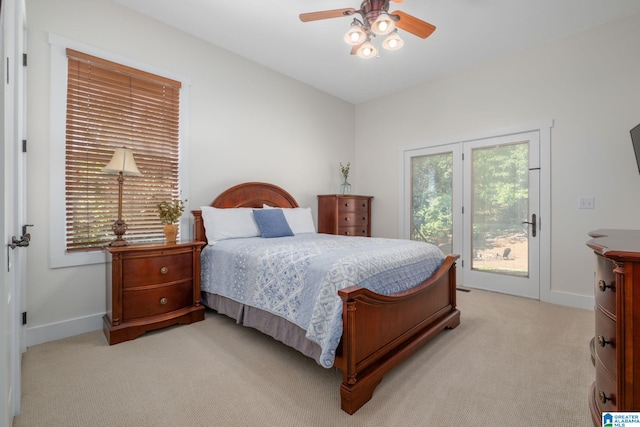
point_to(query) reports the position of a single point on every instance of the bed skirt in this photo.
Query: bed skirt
(276, 327)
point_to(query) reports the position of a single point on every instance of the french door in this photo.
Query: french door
(480, 199)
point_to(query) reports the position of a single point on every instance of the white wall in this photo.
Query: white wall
(588, 84)
(246, 123)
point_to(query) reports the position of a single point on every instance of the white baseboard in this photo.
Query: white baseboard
(68, 328)
(569, 299)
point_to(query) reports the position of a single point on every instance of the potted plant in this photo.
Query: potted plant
(170, 213)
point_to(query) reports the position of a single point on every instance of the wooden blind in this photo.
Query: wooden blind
(108, 106)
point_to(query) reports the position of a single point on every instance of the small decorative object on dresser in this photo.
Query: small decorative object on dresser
(615, 348)
(348, 215)
(345, 187)
(170, 213)
(150, 287)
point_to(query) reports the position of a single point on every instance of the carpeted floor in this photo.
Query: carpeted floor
(512, 361)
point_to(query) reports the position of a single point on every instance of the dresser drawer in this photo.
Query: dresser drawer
(352, 231)
(352, 219)
(152, 270)
(353, 204)
(605, 341)
(605, 391)
(156, 300)
(605, 284)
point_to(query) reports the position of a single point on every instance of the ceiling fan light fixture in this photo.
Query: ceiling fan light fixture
(383, 25)
(355, 35)
(393, 41)
(367, 50)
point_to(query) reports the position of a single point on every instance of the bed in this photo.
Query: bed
(378, 331)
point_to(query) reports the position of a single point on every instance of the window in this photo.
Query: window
(108, 106)
(101, 101)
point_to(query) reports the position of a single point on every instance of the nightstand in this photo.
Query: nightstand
(151, 286)
(344, 214)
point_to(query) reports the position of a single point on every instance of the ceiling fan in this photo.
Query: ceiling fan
(375, 21)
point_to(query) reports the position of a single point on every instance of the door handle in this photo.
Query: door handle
(533, 224)
(22, 241)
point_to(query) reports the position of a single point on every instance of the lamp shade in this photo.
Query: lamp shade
(383, 25)
(122, 161)
(393, 41)
(367, 50)
(355, 35)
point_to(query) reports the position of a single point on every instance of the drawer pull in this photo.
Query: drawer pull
(164, 270)
(346, 219)
(346, 233)
(602, 342)
(603, 397)
(346, 205)
(163, 300)
(603, 285)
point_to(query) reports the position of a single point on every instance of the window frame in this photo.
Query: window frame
(58, 254)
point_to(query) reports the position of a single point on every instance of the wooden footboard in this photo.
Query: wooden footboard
(381, 331)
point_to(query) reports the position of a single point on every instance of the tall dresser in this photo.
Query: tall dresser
(344, 214)
(615, 348)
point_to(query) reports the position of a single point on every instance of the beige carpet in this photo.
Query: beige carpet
(511, 362)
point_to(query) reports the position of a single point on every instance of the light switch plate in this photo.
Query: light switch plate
(587, 203)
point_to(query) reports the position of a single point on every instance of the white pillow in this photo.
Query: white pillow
(228, 223)
(300, 219)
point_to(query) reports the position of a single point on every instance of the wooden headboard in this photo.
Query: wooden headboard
(247, 195)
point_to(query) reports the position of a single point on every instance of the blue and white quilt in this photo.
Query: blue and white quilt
(298, 277)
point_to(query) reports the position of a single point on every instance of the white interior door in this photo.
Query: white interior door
(13, 121)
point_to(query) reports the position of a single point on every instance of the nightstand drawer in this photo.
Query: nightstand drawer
(152, 270)
(156, 300)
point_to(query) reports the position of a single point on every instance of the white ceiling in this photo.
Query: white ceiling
(468, 32)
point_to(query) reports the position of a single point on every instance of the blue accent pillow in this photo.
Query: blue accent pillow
(272, 223)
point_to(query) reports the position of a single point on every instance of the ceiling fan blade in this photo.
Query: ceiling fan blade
(413, 25)
(326, 14)
(354, 49)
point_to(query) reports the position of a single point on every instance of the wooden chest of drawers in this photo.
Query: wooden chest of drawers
(615, 346)
(150, 287)
(347, 215)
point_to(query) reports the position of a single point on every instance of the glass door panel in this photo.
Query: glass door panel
(500, 204)
(431, 200)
